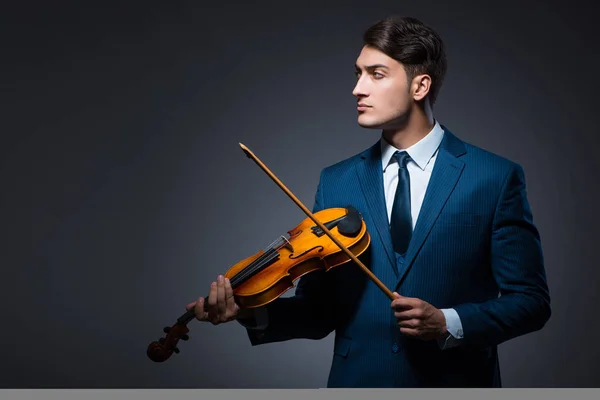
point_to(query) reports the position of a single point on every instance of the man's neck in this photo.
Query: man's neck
(416, 127)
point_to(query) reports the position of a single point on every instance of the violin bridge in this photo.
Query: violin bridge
(287, 244)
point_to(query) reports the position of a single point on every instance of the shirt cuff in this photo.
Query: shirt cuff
(258, 321)
(454, 328)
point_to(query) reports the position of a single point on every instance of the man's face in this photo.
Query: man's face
(382, 91)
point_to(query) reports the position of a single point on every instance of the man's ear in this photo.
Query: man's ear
(421, 84)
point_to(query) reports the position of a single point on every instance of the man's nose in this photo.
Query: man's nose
(359, 89)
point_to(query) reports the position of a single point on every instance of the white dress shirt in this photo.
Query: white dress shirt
(423, 155)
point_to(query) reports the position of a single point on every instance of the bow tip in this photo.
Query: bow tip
(245, 149)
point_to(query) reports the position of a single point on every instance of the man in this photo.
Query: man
(451, 234)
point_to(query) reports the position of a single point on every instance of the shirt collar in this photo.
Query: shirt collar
(420, 152)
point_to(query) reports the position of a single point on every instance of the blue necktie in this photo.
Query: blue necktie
(401, 220)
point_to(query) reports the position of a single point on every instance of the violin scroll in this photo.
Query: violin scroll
(162, 349)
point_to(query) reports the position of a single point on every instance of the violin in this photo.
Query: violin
(263, 277)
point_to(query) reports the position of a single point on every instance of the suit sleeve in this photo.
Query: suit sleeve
(518, 268)
(307, 314)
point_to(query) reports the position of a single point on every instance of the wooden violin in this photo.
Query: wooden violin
(268, 274)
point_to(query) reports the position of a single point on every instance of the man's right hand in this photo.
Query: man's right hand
(220, 306)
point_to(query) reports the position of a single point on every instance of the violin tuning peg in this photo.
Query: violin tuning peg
(166, 329)
(176, 350)
(185, 337)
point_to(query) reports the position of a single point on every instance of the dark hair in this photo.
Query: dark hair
(412, 43)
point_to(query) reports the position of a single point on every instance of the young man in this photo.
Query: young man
(451, 234)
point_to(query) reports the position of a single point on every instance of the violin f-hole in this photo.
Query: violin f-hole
(292, 256)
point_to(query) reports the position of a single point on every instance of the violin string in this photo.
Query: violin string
(241, 275)
(270, 246)
(270, 254)
(249, 271)
(258, 264)
(253, 266)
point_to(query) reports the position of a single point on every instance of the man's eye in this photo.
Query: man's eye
(377, 75)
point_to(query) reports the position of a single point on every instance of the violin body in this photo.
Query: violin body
(268, 274)
(304, 251)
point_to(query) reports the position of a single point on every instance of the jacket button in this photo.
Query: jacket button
(395, 348)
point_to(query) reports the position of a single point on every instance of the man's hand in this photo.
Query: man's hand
(220, 306)
(418, 319)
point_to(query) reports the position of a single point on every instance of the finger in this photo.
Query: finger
(410, 332)
(413, 313)
(221, 305)
(201, 314)
(403, 303)
(229, 295)
(411, 323)
(210, 312)
(212, 297)
(200, 304)
(191, 305)
(408, 302)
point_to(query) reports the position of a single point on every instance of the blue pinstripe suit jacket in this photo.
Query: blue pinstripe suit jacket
(474, 248)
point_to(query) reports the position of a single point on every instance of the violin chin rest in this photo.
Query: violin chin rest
(351, 224)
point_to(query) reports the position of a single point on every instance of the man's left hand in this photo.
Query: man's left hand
(418, 319)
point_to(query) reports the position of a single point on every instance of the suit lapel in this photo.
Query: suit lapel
(370, 175)
(445, 175)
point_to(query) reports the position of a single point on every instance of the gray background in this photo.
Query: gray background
(124, 191)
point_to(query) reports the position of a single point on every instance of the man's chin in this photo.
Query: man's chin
(369, 124)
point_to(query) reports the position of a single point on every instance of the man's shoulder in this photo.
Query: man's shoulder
(485, 159)
(347, 164)
(481, 153)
